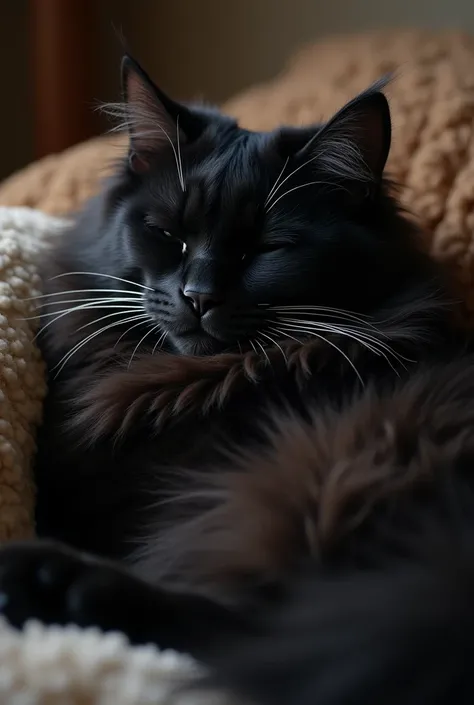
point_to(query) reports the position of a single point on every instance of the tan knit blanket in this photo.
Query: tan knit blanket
(23, 235)
(432, 158)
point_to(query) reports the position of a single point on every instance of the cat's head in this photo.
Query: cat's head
(227, 227)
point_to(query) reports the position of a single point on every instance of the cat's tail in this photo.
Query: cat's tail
(401, 633)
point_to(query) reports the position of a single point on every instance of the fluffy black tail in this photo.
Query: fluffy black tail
(401, 633)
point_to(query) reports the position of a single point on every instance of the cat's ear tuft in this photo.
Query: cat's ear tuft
(354, 145)
(152, 119)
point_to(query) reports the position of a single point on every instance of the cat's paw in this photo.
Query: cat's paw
(49, 582)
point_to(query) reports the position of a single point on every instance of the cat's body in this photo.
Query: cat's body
(261, 405)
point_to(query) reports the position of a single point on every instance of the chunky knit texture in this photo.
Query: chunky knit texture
(23, 234)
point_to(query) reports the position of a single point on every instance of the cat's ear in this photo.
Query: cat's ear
(354, 145)
(154, 121)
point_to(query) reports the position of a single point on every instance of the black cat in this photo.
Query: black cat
(260, 418)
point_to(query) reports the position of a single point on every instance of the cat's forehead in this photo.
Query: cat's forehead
(226, 182)
(205, 207)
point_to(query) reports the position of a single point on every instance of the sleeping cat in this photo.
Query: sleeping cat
(260, 417)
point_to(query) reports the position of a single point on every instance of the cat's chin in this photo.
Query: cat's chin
(199, 344)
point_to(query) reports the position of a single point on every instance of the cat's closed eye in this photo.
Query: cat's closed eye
(166, 234)
(161, 232)
(267, 247)
(152, 225)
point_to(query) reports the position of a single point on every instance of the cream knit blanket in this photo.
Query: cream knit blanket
(44, 665)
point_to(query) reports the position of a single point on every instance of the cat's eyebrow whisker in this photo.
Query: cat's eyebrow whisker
(65, 359)
(292, 173)
(178, 147)
(316, 156)
(274, 342)
(124, 292)
(156, 327)
(132, 120)
(101, 274)
(295, 188)
(160, 127)
(275, 185)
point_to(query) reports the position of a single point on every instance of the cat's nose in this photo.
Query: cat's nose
(201, 303)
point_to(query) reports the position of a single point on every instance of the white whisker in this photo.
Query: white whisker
(327, 324)
(136, 325)
(292, 174)
(124, 292)
(263, 350)
(84, 304)
(276, 182)
(157, 327)
(82, 307)
(333, 345)
(180, 168)
(274, 342)
(174, 151)
(345, 165)
(100, 274)
(322, 309)
(65, 359)
(103, 318)
(159, 342)
(295, 188)
(355, 333)
(285, 335)
(142, 122)
(375, 346)
(328, 313)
